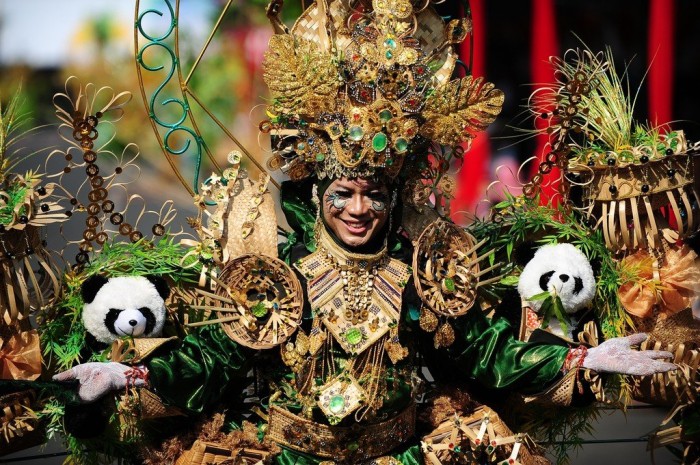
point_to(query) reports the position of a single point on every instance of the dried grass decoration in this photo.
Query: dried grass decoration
(258, 301)
(446, 273)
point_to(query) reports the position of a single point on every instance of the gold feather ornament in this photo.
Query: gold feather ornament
(460, 109)
(301, 77)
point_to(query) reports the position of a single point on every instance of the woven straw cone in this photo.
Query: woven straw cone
(152, 407)
(146, 345)
(263, 239)
(238, 276)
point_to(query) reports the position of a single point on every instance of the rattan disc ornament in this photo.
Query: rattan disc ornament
(258, 301)
(446, 268)
(446, 274)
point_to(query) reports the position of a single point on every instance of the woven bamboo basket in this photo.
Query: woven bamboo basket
(632, 202)
(680, 335)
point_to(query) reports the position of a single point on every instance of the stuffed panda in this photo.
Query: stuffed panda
(124, 306)
(563, 270)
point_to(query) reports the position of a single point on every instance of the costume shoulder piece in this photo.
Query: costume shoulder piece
(358, 297)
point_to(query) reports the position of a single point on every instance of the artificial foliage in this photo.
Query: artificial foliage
(62, 331)
(519, 220)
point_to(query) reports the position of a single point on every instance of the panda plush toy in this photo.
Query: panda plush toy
(124, 306)
(564, 271)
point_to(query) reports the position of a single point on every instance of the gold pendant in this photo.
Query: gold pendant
(340, 397)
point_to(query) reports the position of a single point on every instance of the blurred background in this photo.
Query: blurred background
(43, 42)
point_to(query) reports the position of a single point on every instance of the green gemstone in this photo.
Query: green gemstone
(401, 145)
(353, 336)
(389, 55)
(389, 161)
(301, 146)
(356, 133)
(449, 284)
(390, 43)
(337, 404)
(259, 310)
(379, 142)
(385, 115)
(320, 157)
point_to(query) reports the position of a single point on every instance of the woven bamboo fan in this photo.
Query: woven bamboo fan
(478, 438)
(258, 301)
(632, 194)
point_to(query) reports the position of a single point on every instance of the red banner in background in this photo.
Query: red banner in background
(473, 179)
(660, 50)
(544, 44)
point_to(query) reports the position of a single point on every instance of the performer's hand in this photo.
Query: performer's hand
(97, 379)
(616, 356)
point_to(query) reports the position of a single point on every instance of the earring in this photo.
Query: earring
(315, 200)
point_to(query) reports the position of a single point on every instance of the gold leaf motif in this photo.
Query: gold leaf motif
(428, 321)
(459, 110)
(445, 336)
(302, 78)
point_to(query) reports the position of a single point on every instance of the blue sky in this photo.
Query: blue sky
(40, 33)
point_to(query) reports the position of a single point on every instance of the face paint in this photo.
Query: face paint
(333, 199)
(378, 205)
(356, 210)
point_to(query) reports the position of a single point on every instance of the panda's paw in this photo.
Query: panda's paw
(98, 379)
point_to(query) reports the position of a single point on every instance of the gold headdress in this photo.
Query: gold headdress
(361, 91)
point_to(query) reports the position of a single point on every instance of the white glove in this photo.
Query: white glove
(616, 356)
(97, 379)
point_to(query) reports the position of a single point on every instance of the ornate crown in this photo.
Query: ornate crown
(367, 91)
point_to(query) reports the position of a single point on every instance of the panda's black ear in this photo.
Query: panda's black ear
(160, 284)
(91, 287)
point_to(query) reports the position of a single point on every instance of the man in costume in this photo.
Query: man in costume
(364, 121)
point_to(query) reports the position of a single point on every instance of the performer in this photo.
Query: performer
(361, 116)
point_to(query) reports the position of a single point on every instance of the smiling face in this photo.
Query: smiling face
(356, 209)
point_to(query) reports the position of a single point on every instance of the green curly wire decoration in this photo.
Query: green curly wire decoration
(153, 103)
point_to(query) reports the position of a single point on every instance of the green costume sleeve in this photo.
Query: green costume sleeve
(196, 375)
(488, 352)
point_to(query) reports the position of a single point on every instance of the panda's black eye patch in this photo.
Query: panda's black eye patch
(578, 285)
(544, 280)
(111, 318)
(150, 319)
